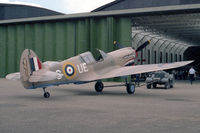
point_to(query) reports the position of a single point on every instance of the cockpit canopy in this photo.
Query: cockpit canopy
(103, 54)
(88, 58)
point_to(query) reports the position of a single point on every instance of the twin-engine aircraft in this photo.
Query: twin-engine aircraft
(84, 68)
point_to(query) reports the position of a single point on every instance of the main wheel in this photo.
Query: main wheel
(46, 95)
(99, 86)
(130, 88)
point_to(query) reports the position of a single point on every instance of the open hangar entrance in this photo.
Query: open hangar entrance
(174, 36)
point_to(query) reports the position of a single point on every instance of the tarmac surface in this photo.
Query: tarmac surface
(79, 109)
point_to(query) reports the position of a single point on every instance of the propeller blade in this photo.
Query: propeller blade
(118, 45)
(143, 46)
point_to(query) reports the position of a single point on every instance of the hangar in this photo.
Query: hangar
(16, 11)
(172, 28)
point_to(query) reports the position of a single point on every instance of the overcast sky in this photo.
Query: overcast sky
(64, 6)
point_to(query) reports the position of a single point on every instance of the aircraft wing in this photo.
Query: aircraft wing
(130, 70)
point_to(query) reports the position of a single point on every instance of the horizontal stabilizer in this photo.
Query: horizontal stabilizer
(13, 76)
(44, 75)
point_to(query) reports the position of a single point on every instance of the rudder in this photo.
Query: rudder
(29, 63)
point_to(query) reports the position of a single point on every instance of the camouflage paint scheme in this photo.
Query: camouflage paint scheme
(84, 68)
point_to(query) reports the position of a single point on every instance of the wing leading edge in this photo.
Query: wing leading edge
(130, 70)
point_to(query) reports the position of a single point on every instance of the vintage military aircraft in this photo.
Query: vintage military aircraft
(84, 69)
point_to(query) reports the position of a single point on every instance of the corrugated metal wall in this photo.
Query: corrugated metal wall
(61, 39)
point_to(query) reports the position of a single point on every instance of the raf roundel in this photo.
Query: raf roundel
(69, 70)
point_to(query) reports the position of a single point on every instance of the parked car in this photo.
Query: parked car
(161, 78)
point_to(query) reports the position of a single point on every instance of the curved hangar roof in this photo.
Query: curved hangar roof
(16, 11)
(185, 27)
(133, 4)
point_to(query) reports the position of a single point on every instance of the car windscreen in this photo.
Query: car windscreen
(159, 75)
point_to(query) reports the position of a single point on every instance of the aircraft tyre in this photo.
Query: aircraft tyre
(99, 86)
(130, 88)
(46, 95)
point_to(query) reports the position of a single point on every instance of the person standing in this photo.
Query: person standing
(191, 74)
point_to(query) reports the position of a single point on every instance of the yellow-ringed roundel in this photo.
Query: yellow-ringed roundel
(69, 70)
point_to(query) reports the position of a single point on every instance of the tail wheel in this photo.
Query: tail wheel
(46, 95)
(130, 88)
(99, 86)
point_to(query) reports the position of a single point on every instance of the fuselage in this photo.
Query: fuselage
(77, 68)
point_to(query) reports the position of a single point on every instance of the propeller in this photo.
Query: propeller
(138, 49)
(142, 46)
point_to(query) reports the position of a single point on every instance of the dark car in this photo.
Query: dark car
(161, 78)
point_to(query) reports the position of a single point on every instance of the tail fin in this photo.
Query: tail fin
(29, 63)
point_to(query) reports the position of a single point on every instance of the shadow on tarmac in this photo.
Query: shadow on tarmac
(78, 92)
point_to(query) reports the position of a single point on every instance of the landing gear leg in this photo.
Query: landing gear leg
(46, 94)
